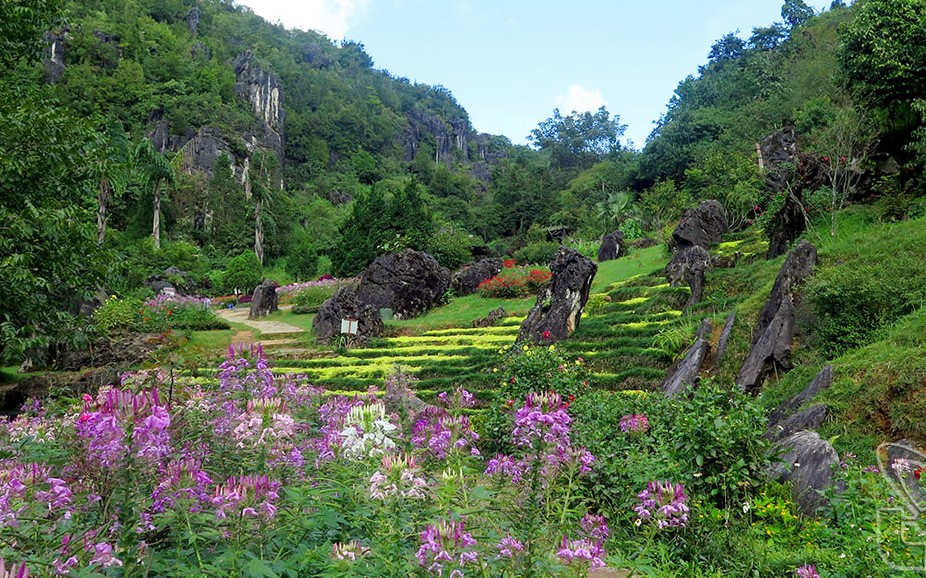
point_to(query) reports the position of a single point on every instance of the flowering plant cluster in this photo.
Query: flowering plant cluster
(634, 423)
(233, 474)
(664, 504)
(515, 283)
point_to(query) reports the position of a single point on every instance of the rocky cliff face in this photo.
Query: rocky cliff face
(263, 90)
(451, 135)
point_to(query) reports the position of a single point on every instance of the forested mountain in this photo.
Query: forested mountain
(138, 134)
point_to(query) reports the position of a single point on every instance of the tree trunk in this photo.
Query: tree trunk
(101, 210)
(258, 233)
(156, 222)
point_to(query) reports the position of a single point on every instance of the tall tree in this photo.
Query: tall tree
(579, 140)
(795, 13)
(261, 187)
(154, 169)
(109, 165)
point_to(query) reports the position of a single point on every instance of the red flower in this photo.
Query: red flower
(546, 334)
(917, 473)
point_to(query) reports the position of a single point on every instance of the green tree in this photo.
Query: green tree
(884, 50)
(48, 249)
(154, 170)
(796, 13)
(578, 140)
(261, 187)
(22, 24)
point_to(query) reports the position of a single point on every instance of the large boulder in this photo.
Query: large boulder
(788, 407)
(466, 280)
(689, 265)
(899, 462)
(776, 327)
(701, 226)
(808, 419)
(559, 305)
(807, 462)
(491, 318)
(409, 282)
(344, 304)
(264, 300)
(685, 373)
(612, 246)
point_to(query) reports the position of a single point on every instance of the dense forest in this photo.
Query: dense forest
(141, 134)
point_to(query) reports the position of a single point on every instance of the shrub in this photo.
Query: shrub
(541, 253)
(117, 314)
(451, 247)
(302, 261)
(244, 273)
(311, 296)
(514, 283)
(530, 369)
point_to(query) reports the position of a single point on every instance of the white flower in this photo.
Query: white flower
(746, 508)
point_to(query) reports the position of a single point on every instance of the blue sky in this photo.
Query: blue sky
(509, 63)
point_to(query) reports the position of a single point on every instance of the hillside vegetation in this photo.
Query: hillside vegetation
(156, 146)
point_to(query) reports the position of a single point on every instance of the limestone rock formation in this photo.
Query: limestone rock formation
(409, 282)
(684, 373)
(698, 229)
(492, 318)
(344, 304)
(701, 226)
(264, 91)
(776, 326)
(807, 462)
(689, 265)
(612, 246)
(823, 380)
(264, 299)
(469, 276)
(558, 309)
(808, 419)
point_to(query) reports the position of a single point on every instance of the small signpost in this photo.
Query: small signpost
(349, 328)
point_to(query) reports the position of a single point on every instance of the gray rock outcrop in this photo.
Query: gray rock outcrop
(697, 230)
(467, 278)
(264, 299)
(409, 282)
(685, 373)
(788, 407)
(559, 306)
(689, 265)
(807, 419)
(701, 226)
(612, 246)
(264, 91)
(776, 326)
(344, 304)
(807, 462)
(491, 319)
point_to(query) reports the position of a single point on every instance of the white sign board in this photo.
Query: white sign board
(349, 326)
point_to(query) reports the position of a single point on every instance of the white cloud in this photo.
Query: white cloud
(580, 99)
(331, 17)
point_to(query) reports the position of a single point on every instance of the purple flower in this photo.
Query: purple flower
(595, 526)
(508, 546)
(582, 551)
(807, 571)
(246, 496)
(13, 570)
(446, 543)
(439, 433)
(664, 503)
(634, 423)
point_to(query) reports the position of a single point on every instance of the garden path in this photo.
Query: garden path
(265, 327)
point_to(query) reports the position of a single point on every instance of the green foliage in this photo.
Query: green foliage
(117, 314)
(711, 438)
(451, 247)
(526, 369)
(578, 140)
(302, 260)
(514, 282)
(48, 248)
(244, 273)
(309, 299)
(22, 24)
(883, 54)
(537, 253)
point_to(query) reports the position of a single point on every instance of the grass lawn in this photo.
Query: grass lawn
(638, 262)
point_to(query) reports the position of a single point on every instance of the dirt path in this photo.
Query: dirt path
(265, 327)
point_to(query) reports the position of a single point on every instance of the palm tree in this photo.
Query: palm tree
(154, 169)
